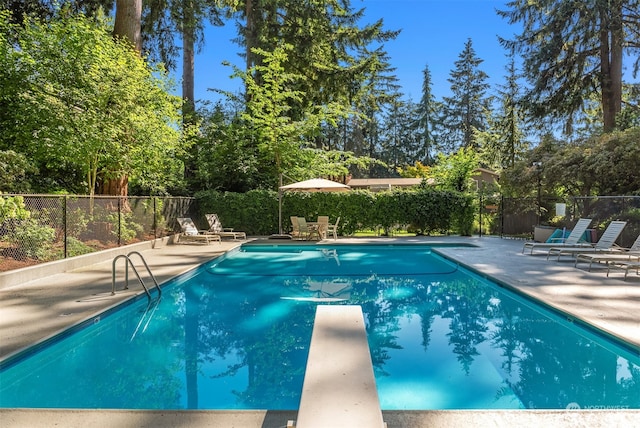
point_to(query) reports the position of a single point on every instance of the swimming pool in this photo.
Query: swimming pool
(234, 334)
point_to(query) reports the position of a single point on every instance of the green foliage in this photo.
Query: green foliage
(124, 226)
(77, 100)
(563, 42)
(415, 171)
(455, 172)
(602, 165)
(77, 222)
(14, 169)
(467, 107)
(33, 238)
(75, 247)
(425, 210)
(13, 208)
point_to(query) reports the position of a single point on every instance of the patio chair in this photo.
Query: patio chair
(323, 225)
(620, 254)
(215, 228)
(333, 229)
(573, 240)
(190, 232)
(295, 227)
(307, 232)
(605, 243)
(625, 265)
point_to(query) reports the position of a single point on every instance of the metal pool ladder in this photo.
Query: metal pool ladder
(129, 262)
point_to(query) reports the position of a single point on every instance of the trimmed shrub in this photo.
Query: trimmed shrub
(425, 211)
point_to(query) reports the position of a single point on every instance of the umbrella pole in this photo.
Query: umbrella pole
(280, 211)
(280, 206)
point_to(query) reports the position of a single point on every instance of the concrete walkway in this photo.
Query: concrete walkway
(32, 311)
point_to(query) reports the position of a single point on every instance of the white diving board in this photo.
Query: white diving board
(339, 387)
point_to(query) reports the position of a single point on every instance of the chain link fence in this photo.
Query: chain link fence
(517, 217)
(41, 228)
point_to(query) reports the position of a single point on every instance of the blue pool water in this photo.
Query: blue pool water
(235, 333)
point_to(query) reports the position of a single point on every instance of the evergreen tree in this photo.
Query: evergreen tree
(465, 110)
(504, 141)
(426, 113)
(330, 47)
(162, 20)
(570, 48)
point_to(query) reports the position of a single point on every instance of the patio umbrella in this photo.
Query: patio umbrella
(313, 185)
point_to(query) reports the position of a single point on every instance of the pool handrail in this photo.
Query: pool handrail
(129, 262)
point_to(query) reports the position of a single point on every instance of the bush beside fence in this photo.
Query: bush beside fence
(40, 228)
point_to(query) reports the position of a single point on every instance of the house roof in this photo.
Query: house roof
(379, 182)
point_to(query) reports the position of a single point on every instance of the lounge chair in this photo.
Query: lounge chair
(573, 240)
(605, 243)
(215, 228)
(629, 254)
(625, 265)
(333, 229)
(190, 232)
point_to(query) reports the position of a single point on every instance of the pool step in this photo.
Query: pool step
(339, 387)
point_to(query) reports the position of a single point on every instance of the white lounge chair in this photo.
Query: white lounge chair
(572, 240)
(215, 228)
(605, 243)
(190, 232)
(629, 254)
(625, 265)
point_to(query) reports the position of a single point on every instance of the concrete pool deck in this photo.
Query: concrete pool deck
(34, 310)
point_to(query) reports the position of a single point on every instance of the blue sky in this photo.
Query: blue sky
(433, 33)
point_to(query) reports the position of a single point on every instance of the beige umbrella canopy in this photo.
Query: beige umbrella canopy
(313, 185)
(316, 185)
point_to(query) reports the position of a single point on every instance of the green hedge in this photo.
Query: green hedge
(424, 211)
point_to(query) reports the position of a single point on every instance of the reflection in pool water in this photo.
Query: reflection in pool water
(235, 335)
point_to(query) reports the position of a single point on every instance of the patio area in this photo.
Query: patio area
(39, 308)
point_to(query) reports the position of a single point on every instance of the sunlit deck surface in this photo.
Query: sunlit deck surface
(51, 301)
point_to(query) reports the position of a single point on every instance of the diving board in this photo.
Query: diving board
(339, 387)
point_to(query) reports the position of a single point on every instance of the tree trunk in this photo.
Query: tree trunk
(128, 21)
(611, 39)
(188, 78)
(127, 25)
(114, 186)
(249, 35)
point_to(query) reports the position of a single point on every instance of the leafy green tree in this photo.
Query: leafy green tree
(14, 169)
(455, 171)
(571, 47)
(48, 9)
(228, 157)
(465, 111)
(88, 103)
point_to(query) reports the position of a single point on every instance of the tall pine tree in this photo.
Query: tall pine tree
(465, 111)
(570, 48)
(426, 113)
